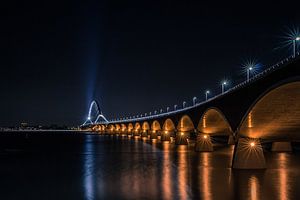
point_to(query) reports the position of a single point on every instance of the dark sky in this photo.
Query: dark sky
(132, 56)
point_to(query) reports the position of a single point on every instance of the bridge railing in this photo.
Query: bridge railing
(254, 78)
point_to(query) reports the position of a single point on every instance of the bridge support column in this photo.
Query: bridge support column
(136, 134)
(144, 134)
(153, 135)
(249, 154)
(165, 136)
(203, 143)
(281, 146)
(231, 140)
(181, 138)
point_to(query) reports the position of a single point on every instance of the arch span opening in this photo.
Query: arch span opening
(146, 126)
(169, 125)
(213, 122)
(275, 115)
(155, 126)
(185, 124)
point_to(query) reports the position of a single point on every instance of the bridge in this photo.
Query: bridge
(262, 109)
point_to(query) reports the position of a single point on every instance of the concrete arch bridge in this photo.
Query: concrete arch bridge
(265, 108)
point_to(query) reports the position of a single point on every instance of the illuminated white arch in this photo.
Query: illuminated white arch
(94, 105)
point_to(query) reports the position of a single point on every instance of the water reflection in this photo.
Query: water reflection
(205, 176)
(183, 164)
(88, 166)
(166, 172)
(283, 183)
(254, 188)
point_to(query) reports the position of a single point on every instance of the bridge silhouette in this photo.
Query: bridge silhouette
(263, 109)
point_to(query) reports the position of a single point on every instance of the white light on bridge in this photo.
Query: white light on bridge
(206, 94)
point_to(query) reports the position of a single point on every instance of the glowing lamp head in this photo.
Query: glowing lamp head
(224, 83)
(205, 136)
(89, 118)
(252, 144)
(207, 92)
(297, 38)
(166, 132)
(181, 133)
(250, 68)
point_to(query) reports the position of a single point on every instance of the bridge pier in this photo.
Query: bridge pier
(231, 140)
(248, 154)
(281, 146)
(144, 134)
(203, 143)
(165, 136)
(181, 138)
(153, 135)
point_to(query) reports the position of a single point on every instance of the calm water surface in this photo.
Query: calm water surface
(79, 166)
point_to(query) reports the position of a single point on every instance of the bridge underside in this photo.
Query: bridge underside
(214, 123)
(275, 116)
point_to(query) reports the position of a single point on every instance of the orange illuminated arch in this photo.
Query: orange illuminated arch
(155, 126)
(146, 126)
(185, 124)
(169, 125)
(275, 115)
(123, 127)
(118, 127)
(214, 122)
(130, 127)
(137, 126)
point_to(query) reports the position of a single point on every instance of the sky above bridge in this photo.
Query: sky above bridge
(131, 56)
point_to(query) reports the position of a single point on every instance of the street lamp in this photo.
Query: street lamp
(183, 104)
(223, 86)
(168, 109)
(206, 94)
(248, 72)
(194, 100)
(295, 44)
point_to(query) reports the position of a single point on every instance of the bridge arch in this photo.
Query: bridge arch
(111, 127)
(145, 126)
(123, 127)
(130, 127)
(214, 122)
(155, 126)
(185, 124)
(118, 127)
(169, 125)
(275, 114)
(137, 126)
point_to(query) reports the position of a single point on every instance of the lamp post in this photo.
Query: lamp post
(194, 100)
(168, 109)
(206, 94)
(175, 107)
(183, 104)
(295, 45)
(249, 69)
(223, 86)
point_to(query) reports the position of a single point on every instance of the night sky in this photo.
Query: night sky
(131, 56)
